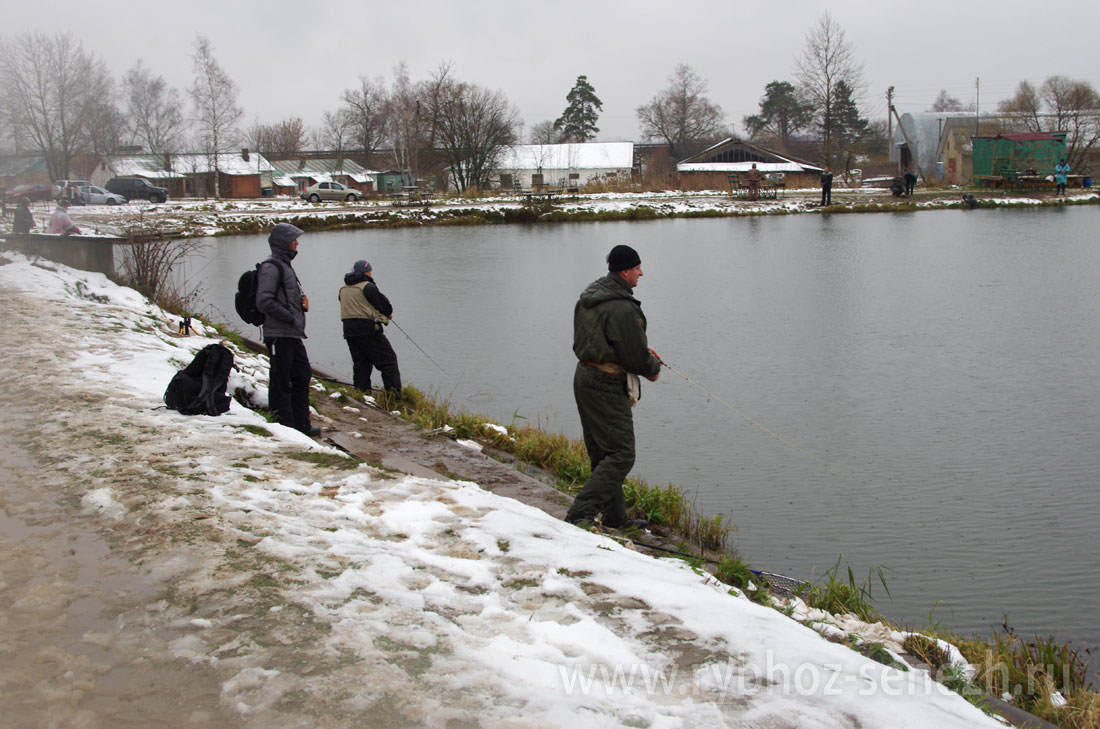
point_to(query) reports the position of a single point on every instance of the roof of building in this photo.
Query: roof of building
(21, 164)
(766, 160)
(1023, 137)
(323, 169)
(164, 167)
(587, 156)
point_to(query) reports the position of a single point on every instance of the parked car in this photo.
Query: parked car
(136, 188)
(61, 188)
(98, 196)
(330, 191)
(34, 193)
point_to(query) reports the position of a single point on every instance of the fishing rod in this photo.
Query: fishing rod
(419, 347)
(756, 423)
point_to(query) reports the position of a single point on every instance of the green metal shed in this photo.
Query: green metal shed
(1009, 154)
(392, 181)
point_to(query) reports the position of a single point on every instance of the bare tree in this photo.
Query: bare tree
(54, 93)
(1026, 104)
(545, 132)
(284, 140)
(471, 125)
(826, 60)
(367, 109)
(682, 115)
(336, 131)
(215, 99)
(1075, 109)
(105, 125)
(409, 130)
(154, 110)
(946, 102)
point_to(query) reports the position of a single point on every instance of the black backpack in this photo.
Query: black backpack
(199, 388)
(245, 300)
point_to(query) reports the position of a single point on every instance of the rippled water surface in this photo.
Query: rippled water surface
(935, 375)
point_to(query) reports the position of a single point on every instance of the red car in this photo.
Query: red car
(34, 193)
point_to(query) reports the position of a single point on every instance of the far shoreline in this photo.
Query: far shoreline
(216, 218)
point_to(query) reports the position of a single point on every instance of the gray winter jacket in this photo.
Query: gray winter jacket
(279, 296)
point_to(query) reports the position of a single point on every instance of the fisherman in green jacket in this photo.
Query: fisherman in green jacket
(609, 340)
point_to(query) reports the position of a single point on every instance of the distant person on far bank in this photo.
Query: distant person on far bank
(754, 177)
(280, 297)
(60, 222)
(910, 182)
(24, 219)
(609, 340)
(364, 311)
(1061, 171)
(826, 187)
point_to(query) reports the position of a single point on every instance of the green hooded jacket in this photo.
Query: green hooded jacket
(608, 326)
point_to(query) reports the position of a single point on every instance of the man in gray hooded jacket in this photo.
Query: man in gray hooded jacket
(279, 296)
(609, 340)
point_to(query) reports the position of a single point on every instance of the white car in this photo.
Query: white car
(330, 191)
(98, 196)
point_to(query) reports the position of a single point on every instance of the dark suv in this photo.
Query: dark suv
(134, 188)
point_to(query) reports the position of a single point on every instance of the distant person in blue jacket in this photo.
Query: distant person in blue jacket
(1060, 171)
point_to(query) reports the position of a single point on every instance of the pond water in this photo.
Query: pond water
(931, 378)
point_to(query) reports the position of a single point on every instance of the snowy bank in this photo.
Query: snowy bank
(326, 592)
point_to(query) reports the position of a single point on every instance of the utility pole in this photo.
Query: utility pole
(908, 144)
(890, 122)
(977, 98)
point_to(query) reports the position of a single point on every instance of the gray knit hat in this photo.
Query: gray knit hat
(284, 234)
(361, 266)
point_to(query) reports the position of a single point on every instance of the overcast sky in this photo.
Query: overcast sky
(294, 58)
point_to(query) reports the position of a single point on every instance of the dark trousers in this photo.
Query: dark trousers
(827, 194)
(608, 424)
(369, 351)
(288, 389)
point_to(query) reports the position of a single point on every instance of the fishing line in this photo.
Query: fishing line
(758, 424)
(419, 347)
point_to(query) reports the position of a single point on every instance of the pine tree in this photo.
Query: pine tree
(578, 122)
(782, 113)
(848, 127)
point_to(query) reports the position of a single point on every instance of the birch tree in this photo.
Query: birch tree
(214, 96)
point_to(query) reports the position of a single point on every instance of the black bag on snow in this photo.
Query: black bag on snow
(199, 388)
(245, 299)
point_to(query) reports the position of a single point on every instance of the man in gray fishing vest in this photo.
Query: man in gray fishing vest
(364, 311)
(609, 339)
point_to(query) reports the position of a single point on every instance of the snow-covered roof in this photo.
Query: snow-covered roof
(149, 166)
(283, 181)
(780, 162)
(152, 166)
(588, 156)
(744, 167)
(228, 163)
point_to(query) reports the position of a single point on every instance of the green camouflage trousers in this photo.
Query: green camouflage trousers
(608, 424)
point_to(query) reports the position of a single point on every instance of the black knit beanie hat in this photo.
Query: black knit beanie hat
(622, 258)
